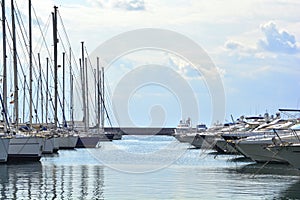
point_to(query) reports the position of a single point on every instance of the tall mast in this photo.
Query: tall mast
(24, 99)
(103, 99)
(4, 58)
(71, 91)
(47, 90)
(37, 92)
(30, 64)
(87, 95)
(95, 93)
(98, 94)
(41, 88)
(15, 67)
(83, 87)
(55, 41)
(63, 100)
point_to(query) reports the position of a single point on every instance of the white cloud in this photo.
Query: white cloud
(276, 40)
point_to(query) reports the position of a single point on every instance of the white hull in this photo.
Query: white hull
(25, 148)
(4, 145)
(67, 142)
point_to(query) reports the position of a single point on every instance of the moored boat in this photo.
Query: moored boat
(25, 148)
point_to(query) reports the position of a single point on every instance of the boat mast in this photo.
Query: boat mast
(71, 92)
(15, 67)
(103, 101)
(63, 100)
(37, 93)
(83, 86)
(41, 88)
(24, 94)
(95, 86)
(98, 94)
(47, 89)
(87, 95)
(55, 41)
(30, 65)
(4, 84)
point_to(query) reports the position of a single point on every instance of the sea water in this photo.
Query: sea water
(147, 167)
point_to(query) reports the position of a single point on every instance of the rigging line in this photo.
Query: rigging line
(64, 48)
(22, 70)
(77, 84)
(21, 25)
(68, 41)
(91, 68)
(105, 108)
(49, 54)
(44, 32)
(66, 60)
(48, 51)
(19, 75)
(18, 15)
(108, 99)
(73, 69)
(43, 36)
(265, 164)
(46, 45)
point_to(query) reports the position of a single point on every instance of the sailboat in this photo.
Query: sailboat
(4, 141)
(22, 145)
(66, 138)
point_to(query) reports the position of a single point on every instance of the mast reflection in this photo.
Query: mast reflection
(37, 181)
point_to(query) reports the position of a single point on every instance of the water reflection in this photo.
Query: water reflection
(36, 181)
(269, 169)
(292, 192)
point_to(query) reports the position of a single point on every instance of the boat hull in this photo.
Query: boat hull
(87, 141)
(223, 146)
(257, 152)
(290, 153)
(185, 138)
(25, 149)
(4, 145)
(67, 142)
(48, 147)
(204, 141)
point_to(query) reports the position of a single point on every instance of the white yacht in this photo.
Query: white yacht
(255, 147)
(184, 131)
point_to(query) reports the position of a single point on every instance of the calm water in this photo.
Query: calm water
(156, 167)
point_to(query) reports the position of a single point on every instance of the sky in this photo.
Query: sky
(254, 46)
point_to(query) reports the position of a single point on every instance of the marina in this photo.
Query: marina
(148, 114)
(104, 173)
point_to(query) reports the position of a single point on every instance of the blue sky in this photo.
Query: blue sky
(253, 44)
